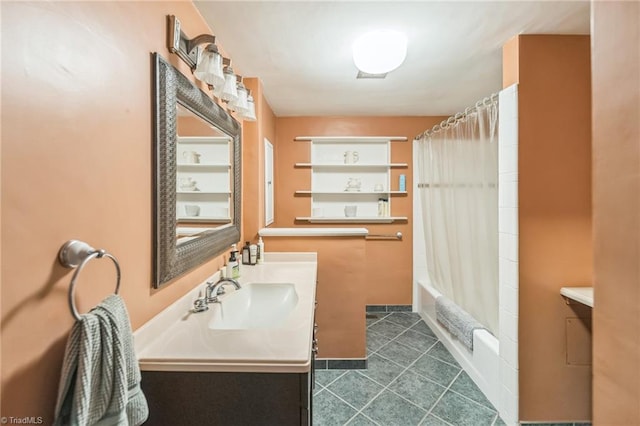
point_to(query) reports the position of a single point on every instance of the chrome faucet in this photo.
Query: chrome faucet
(214, 289)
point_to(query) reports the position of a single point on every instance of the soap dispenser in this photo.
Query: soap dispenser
(246, 254)
(260, 250)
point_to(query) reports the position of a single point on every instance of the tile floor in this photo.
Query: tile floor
(411, 379)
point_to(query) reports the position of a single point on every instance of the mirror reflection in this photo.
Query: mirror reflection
(197, 158)
(204, 178)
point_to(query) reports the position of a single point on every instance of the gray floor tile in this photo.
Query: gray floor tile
(355, 389)
(460, 411)
(399, 353)
(423, 328)
(329, 410)
(382, 370)
(416, 340)
(375, 317)
(432, 420)
(466, 387)
(499, 422)
(375, 341)
(324, 377)
(317, 388)
(406, 320)
(361, 420)
(389, 409)
(436, 370)
(440, 351)
(422, 392)
(387, 328)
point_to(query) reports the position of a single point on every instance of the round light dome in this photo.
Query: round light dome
(379, 52)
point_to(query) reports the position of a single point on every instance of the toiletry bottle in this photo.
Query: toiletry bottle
(235, 269)
(260, 250)
(381, 207)
(229, 266)
(253, 254)
(402, 184)
(246, 254)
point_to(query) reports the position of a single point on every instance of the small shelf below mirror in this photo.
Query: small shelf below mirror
(582, 295)
(342, 219)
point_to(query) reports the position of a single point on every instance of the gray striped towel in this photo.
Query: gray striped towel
(458, 321)
(100, 382)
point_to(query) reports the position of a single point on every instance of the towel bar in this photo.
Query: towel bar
(396, 236)
(76, 254)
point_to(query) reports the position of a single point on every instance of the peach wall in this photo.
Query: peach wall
(555, 241)
(388, 263)
(253, 160)
(340, 292)
(616, 212)
(76, 163)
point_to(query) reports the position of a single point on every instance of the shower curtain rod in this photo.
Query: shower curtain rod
(444, 124)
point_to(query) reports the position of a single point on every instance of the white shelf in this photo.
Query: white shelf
(583, 295)
(202, 192)
(351, 139)
(342, 219)
(352, 166)
(203, 139)
(204, 166)
(204, 219)
(308, 192)
(313, 232)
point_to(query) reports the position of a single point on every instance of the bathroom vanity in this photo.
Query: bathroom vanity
(247, 360)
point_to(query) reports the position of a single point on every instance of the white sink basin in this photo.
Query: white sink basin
(255, 305)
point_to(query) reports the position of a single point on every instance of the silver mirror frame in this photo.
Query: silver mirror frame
(172, 260)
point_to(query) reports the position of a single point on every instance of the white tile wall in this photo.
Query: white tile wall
(508, 253)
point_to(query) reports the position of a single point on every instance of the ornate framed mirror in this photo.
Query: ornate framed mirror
(197, 147)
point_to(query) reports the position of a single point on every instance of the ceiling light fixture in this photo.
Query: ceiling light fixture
(379, 52)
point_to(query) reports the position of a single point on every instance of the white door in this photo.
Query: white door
(268, 182)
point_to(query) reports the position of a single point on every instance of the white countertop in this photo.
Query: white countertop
(583, 295)
(178, 340)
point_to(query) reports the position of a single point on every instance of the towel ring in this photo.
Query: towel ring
(76, 254)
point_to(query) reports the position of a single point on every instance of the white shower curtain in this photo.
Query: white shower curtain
(458, 187)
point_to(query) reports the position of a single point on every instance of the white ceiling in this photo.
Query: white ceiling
(301, 50)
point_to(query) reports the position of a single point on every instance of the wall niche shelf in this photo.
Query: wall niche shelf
(204, 179)
(354, 172)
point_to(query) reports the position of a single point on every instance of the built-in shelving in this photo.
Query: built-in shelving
(203, 179)
(347, 173)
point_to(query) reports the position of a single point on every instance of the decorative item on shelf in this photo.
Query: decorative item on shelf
(188, 184)
(353, 185)
(351, 157)
(317, 212)
(191, 157)
(192, 210)
(378, 187)
(402, 183)
(350, 211)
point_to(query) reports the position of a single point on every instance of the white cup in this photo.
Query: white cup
(191, 157)
(350, 211)
(192, 210)
(378, 187)
(317, 212)
(351, 157)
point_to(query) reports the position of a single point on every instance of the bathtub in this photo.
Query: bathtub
(483, 364)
